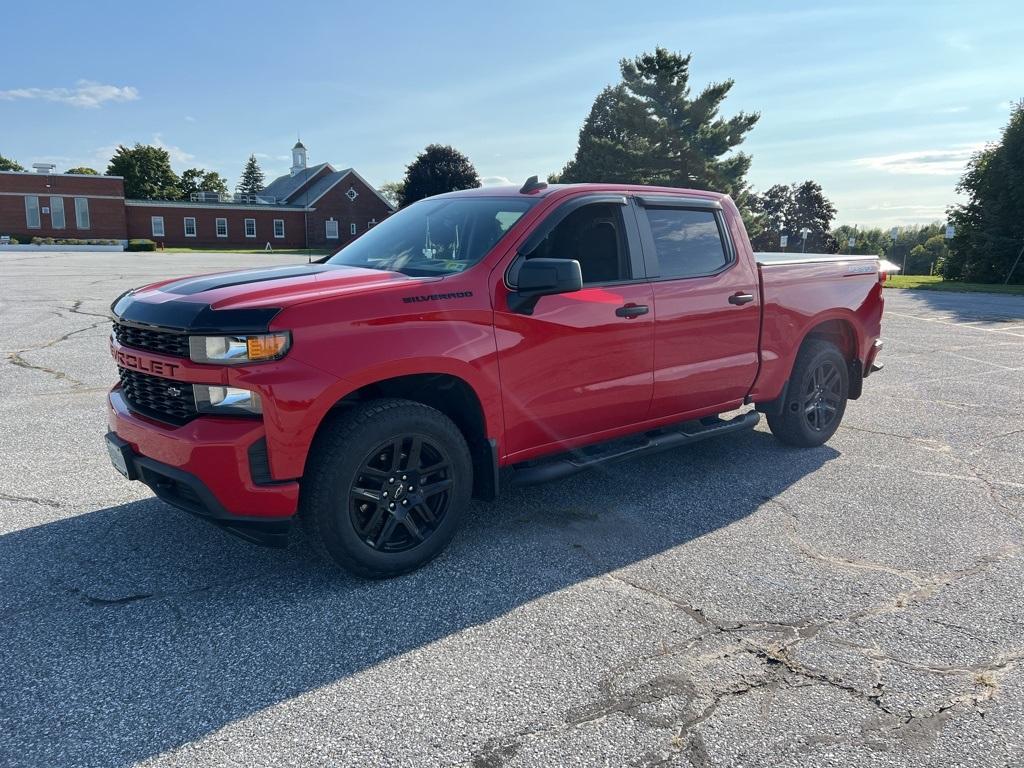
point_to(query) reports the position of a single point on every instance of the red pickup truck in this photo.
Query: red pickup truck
(472, 339)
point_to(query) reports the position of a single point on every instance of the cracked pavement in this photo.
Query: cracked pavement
(734, 603)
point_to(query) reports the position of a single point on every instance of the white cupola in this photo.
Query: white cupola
(298, 157)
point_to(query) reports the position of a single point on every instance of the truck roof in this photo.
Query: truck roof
(550, 189)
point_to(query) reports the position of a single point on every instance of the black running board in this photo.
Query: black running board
(650, 442)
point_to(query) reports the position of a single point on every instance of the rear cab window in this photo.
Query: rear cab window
(686, 242)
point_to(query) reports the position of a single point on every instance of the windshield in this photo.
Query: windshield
(435, 236)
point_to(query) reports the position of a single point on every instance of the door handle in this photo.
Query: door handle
(632, 310)
(740, 298)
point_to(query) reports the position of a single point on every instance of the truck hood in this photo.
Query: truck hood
(245, 300)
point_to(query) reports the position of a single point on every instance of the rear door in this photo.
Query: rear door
(582, 363)
(706, 304)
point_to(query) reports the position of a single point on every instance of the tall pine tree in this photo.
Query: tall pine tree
(648, 130)
(252, 180)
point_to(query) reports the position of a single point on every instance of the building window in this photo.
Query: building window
(371, 223)
(332, 229)
(278, 227)
(190, 226)
(82, 212)
(351, 194)
(352, 228)
(57, 213)
(250, 227)
(32, 212)
(222, 227)
(158, 225)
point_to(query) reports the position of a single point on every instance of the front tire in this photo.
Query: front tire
(816, 397)
(386, 487)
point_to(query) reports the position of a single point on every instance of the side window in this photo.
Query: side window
(688, 242)
(593, 235)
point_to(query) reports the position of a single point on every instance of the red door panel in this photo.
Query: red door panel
(705, 349)
(574, 367)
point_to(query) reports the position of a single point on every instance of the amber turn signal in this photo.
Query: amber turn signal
(266, 346)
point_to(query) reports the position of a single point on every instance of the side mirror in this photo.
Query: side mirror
(544, 277)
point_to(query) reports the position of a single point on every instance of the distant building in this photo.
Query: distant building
(61, 205)
(317, 207)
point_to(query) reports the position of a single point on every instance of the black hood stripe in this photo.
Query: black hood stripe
(192, 316)
(192, 285)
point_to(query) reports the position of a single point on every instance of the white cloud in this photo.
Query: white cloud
(494, 181)
(926, 162)
(189, 119)
(178, 155)
(86, 93)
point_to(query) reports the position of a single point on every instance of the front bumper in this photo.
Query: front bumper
(205, 468)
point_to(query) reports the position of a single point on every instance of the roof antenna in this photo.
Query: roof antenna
(532, 185)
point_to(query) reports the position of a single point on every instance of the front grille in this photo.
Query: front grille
(162, 342)
(162, 399)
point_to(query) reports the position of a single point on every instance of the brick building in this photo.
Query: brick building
(61, 205)
(310, 207)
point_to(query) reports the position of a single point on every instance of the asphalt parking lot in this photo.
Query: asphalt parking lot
(732, 603)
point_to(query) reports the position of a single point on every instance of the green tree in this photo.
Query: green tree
(990, 225)
(928, 256)
(6, 164)
(83, 170)
(196, 180)
(786, 210)
(437, 169)
(392, 192)
(252, 181)
(774, 210)
(648, 130)
(147, 172)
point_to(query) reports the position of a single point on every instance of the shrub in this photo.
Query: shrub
(141, 245)
(13, 240)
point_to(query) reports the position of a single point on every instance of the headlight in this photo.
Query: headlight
(234, 350)
(226, 400)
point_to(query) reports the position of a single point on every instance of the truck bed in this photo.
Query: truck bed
(838, 294)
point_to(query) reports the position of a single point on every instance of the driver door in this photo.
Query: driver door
(581, 366)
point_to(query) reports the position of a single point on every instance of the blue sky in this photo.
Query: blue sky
(880, 102)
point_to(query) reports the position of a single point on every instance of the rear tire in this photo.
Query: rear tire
(386, 487)
(816, 397)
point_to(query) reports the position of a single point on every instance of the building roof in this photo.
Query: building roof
(299, 145)
(285, 186)
(324, 183)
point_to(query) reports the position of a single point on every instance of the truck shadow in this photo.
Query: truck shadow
(133, 630)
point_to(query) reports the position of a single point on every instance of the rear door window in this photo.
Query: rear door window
(688, 243)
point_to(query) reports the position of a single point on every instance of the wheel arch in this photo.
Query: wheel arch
(842, 333)
(448, 393)
(838, 329)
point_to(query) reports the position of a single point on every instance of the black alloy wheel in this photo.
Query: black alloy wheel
(815, 399)
(401, 493)
(822, 396)
(386, 486)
